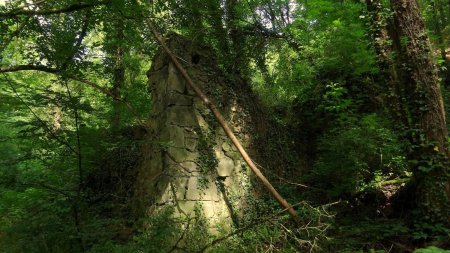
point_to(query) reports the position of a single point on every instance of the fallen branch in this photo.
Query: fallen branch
(223, 123)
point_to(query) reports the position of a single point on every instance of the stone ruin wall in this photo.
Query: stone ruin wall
(189, 162)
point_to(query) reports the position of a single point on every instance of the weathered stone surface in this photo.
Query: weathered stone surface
(194, 192)
(211, 193)
(174, 98)
(179, 185)
(225, 167)
(173, 136)
(187, 206)
(230, 151)
(189, 166)
(215, 212)
(159, 88)
(191, 144)
(201, 121)
(181, 116)
(186, 168)
(160, 62)
(206, 192)
(175, 81)
(181, 154)
(171, 174)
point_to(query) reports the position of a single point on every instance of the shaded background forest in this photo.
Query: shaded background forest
(74, 101)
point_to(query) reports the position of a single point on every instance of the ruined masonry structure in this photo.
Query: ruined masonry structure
(189, 163)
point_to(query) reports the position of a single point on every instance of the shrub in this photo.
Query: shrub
(355, 157)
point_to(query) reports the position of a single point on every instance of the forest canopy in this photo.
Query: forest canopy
(340, 105)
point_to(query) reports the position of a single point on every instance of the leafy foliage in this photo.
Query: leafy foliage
(368, 153)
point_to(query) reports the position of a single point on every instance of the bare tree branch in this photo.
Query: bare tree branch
(50, 188)
(56, 71)
(81, 35)
(29, 67)
(71, 8)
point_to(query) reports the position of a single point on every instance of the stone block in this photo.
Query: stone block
(160, 87)
(165, 198)
(191, 144)
(206, 193)
(179, 187)
(215, 211)
(181, 154)
(193, 191)
(211, 193)
(226, 165)
(187, 206)
(175, 98)
(174, 136)
(201, 121)
(230, 151)
(175, 82)
(189, 166)
(181, 116)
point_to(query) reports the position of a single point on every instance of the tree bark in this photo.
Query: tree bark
(235, 34)
(381, 32)
(425, 109)
(118, 74)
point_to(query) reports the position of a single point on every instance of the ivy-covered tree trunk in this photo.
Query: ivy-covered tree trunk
(425, 109)
(381, 28)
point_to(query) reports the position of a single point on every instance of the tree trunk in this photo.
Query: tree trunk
(438, 20)
(425, 109)
(381, 29)
(236, 38)
(119, 74)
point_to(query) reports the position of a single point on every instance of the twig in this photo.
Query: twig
(181, 237)
(77, 131)
(283, 179)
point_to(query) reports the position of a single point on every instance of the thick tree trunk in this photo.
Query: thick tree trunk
(381, 29)
(425, 109)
